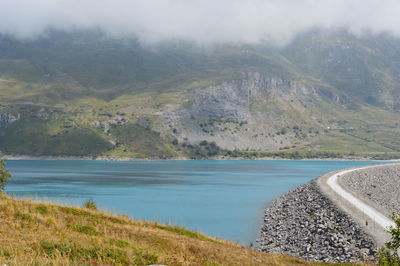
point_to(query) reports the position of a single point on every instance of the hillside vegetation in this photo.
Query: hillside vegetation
(33, 233)
(328, 93)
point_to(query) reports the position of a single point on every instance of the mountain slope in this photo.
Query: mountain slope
(82, 93)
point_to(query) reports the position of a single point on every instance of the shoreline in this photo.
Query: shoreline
(131, 159)
(84, 158)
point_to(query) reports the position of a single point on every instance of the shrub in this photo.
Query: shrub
(4, 175)
(23, 216)
(389, 255)
(5, 253)
(90, 204)
(203, 143)
(42, 209)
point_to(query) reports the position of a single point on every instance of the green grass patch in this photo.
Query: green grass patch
(109, 255)
(75, 211)
(119, 243)
(42, 209)
(342, 142)
(82, 213)
(5, 253)
(185, 232)
(115, 220)
(85, 229)
(23, 216)
(145, 259)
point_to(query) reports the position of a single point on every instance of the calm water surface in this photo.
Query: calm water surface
(220, 198)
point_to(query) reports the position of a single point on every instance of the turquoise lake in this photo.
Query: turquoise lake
(224, 199)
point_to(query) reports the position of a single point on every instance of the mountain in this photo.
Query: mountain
(326, 94)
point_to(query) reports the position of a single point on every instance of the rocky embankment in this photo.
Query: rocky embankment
(378, 186)
(306, 224)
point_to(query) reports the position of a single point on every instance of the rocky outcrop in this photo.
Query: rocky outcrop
(233, 99)
(223, 102)
(254, 111)
(106, 125)
(306, 224)
(6, 119)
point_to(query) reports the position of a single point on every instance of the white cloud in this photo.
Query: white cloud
(203, 21)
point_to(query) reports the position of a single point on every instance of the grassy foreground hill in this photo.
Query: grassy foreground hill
(34, 233)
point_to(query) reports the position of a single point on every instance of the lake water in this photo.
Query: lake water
(225, 199)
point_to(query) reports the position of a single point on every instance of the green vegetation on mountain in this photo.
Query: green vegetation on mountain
(37, 137)
(83, 94)
(138, 141)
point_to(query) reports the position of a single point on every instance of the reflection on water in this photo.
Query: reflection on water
(220, 198)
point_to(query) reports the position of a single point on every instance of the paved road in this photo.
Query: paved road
(373, 214)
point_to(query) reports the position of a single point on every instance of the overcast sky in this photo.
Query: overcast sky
(205, 21)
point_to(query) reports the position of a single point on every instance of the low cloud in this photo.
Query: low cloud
(203, 21)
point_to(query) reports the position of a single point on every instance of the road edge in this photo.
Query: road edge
(375, 230)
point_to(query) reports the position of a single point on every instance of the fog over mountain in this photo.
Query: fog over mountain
(203, 21)
(200, 78)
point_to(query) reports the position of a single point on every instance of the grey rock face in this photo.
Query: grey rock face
(233, 99)
(106, 125)
(43, 115)
(220, 103)
(245, 113)
(306, 224)
(6, 119)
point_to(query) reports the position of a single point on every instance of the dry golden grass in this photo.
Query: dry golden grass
(34, 233)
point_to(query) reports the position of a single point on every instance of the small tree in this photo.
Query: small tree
(4, 175)
(90, 204)
(390, 254)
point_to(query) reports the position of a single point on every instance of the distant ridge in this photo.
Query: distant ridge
(327, 94)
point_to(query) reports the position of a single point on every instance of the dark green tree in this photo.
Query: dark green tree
(390, 254)
(4, 175)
